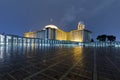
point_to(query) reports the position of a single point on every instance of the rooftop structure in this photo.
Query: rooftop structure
(51, 26)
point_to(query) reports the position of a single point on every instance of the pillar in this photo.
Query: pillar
(5, 38)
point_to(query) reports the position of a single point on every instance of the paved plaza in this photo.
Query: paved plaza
(59, 63)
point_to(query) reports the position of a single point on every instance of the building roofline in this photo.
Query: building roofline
(88, 30)
(81, 30)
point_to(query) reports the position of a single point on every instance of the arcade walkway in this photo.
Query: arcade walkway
(59, 63)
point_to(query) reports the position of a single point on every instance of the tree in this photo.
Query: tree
(102, 37)
(92, 40)
(99, 38)
(111, 38)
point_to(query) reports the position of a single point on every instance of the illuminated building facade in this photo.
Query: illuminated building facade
(53, 32)
(30, 34)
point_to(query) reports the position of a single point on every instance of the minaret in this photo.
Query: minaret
(81, 26)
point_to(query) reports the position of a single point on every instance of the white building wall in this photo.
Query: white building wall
(40, 34)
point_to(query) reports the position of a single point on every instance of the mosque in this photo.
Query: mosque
(54, 33)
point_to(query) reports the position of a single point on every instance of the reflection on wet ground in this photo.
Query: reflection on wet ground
(59, 63)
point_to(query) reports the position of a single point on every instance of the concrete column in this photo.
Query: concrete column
(22, 42)
(30, 42)
(34, 41)
(17, 41)
(5, 38)
(11, 41)
(52, 42)
(0, 39)
(42, 42)
(26, 41)
(38, 42)
(46, 42)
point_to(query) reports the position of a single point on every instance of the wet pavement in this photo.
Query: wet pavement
(59, 63)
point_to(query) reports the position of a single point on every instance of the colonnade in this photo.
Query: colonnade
(11, 40)
(18, 40)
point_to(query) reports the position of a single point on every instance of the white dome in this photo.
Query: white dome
(51, 26)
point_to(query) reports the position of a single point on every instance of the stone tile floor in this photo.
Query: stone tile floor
(60, 63)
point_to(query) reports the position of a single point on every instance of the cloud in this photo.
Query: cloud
(71, 14)
(83, 11)
(100, 7)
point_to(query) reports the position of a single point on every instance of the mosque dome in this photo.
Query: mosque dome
(51, 26)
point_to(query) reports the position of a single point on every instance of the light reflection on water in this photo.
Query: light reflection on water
(1, 52)
(19, 52)
(77, 53)
(16, 52)
(81, 58)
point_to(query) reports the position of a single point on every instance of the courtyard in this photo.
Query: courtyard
(59, 63)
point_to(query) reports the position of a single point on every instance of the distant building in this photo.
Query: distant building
(53, 32)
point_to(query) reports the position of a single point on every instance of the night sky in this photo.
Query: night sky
(99, 16)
